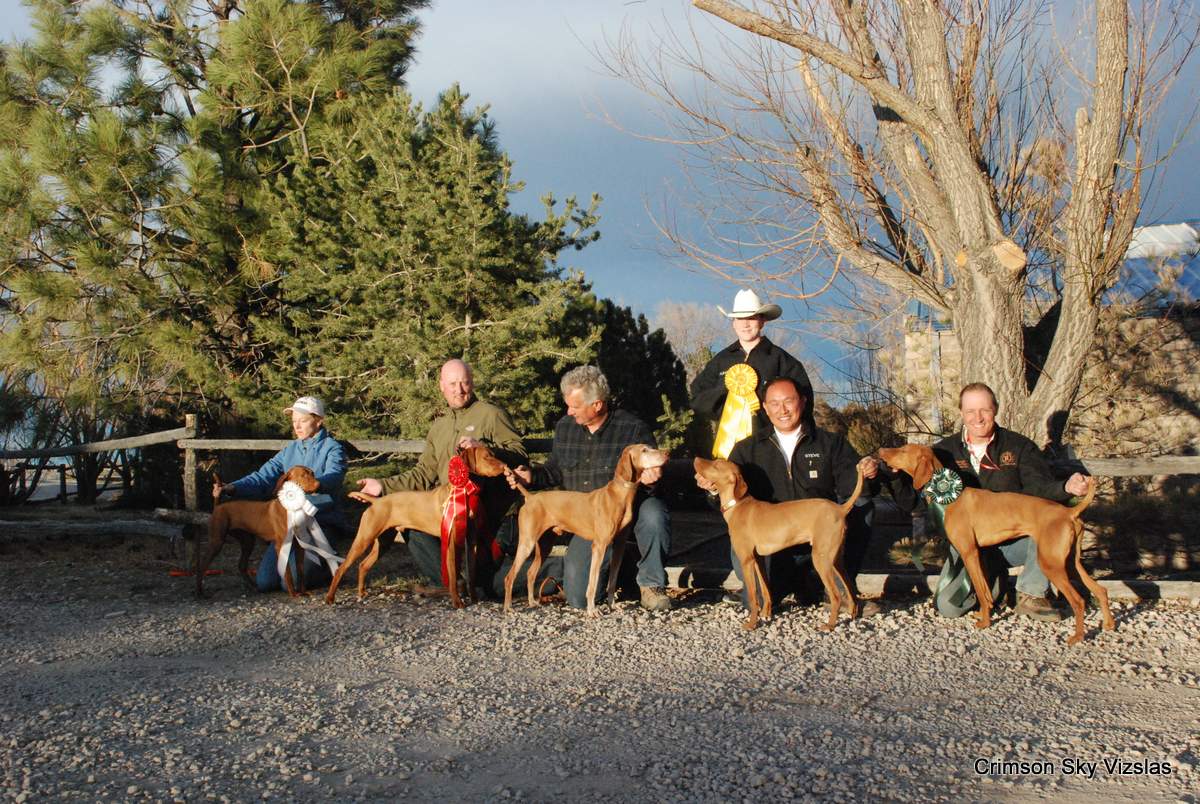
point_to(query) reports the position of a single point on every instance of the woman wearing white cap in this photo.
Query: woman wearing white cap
(710, 390)
(317, 450)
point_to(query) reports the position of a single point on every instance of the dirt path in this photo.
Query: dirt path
(118, 685)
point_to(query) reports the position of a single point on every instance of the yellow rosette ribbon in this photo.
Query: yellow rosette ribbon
(737, 417)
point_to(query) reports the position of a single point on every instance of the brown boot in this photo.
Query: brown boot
(1039, 608)
(655, 599)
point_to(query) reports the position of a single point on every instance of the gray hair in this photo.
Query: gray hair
(588, 379)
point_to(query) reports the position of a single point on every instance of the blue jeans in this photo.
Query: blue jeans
(426, 552)
(268, 580)
(1019, 552)
(652, 533)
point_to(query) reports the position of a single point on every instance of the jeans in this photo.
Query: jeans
(996, 560)
(791, 570)
(332, 523)
(426, 552)
(268, 580)
(652, 535)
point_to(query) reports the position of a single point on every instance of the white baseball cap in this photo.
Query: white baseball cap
(308, 404)
(746, 304)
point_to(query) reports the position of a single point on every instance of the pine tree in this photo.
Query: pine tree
(397, 250)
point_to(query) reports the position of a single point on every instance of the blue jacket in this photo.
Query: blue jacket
(321, 453)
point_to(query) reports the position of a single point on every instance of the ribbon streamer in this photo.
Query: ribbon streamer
(461, 507)
(953, 590)
(301, 522)
(737, 417)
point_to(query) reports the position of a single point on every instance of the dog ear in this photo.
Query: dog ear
(283, 478)
(626, 469)
(470, 458)
(740, 489)
(923, 470)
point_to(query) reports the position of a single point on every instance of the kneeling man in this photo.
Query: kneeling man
(587, 445)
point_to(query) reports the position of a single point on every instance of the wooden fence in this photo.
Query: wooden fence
(186, 440)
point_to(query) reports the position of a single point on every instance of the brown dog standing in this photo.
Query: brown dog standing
(980, 518)
(246, 519)
(419, 510)
(601, 516)
(758, 528)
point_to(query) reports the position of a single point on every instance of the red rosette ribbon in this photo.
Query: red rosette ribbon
(462, 511)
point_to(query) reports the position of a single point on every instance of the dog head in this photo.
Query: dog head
(915, 460)
(637, 457)
(480, 461)
(302, 476)
(725, 474)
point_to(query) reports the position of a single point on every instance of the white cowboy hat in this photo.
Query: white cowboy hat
(746, 304)
(308, 404)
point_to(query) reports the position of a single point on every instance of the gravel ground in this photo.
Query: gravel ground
(118, 685)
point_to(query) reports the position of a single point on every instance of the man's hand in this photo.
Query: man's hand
(521, 476)
(370, 486)
(466, 442)
(650, 476)
(219, 489)
(1076, 485)
(869, 466)
(706, 484)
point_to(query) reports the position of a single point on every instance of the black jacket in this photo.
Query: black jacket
(823, 466)
(767, 360)
(1012, 463)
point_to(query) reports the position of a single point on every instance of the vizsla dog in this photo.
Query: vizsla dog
(601, 516)
(758, 528)
(246, 519)
(980, 518)
(419, 510)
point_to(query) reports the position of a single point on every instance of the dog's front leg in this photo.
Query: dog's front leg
(614, 565)
(473, 546)
(452, 571)
(750, 579)
(594, 574)
(969, 551)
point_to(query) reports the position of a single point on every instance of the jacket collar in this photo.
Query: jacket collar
(764, 345)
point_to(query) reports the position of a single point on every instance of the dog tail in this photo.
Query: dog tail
(849, 503)
(1087, 499)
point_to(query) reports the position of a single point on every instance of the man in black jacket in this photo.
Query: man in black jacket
(749, 316)
(794, 460)
(990, 457)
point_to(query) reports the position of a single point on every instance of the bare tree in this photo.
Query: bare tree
(929, 147)
(693, 330)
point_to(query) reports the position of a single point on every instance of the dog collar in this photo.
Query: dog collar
(626, 484)
(729, 505)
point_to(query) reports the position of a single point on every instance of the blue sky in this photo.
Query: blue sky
(533, 63)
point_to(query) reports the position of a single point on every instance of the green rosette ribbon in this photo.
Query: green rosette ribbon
(944, 487)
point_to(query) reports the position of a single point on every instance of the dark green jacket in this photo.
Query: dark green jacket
(479, 420)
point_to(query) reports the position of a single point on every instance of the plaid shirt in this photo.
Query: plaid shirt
(581, 460)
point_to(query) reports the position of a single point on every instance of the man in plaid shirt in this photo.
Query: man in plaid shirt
(587, 445)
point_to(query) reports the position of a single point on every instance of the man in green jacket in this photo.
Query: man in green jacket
(470, 422)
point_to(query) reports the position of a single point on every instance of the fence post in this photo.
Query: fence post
(62, 482)
(189, 465)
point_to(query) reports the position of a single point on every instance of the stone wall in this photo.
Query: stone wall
(1140, 393)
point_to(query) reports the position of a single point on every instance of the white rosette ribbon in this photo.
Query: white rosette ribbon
(303, 528)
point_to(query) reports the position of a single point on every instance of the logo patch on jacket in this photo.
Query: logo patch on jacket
(963, 464)
(1008, 458)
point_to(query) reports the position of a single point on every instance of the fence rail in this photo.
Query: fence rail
(186, 440)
